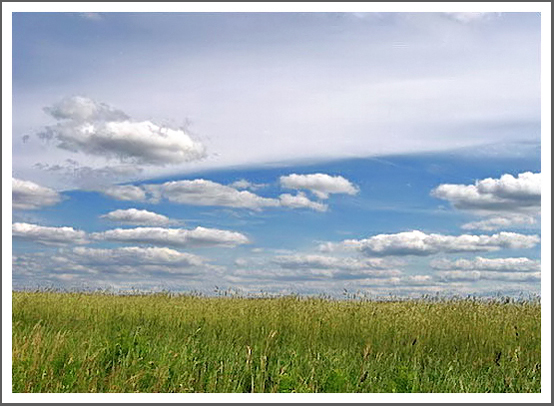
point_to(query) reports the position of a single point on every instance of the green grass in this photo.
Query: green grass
(76, 342)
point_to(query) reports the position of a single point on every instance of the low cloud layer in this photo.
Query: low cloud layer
(174, 237)
(474, 276)
(486, 264)
(97, 129)
(137, 256)
(137, 217)
(48, 235)
(508, 194)
(422, 244)
(320, 184)
(90, 267)
(27, 195)
(498, 222)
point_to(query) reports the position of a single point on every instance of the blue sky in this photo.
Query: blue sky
(285, 152)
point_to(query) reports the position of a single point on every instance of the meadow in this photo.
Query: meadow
(90, 342)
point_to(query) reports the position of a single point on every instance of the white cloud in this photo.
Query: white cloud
(125, 192)
(521, 194)
(485, 264)
(137, 217)
(302, 261)
(176, 237)
(497, 222)
(203, 192)
(100, 130)
(48, 235)
(89, 267)
(137, 256)
(322, 185)
(27, 195)
(244, 184)
(421, 244)
(474, 276)
(300, 201)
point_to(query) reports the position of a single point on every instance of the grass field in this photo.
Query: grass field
(72, 342)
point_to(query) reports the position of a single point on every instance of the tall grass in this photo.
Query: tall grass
(75, 342)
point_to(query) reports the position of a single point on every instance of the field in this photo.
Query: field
(77, 342)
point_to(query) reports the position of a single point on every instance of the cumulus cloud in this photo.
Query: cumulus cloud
(137, 217)
(125, 192)
(486, 264)
(203, 192)
(422, 244)
(27, 195)
(48, 235)
(497, 222)
(300, 201)
(100, 130)
(320, 184)
(176, 237)
(521, 194)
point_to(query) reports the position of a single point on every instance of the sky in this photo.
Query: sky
(372, 154)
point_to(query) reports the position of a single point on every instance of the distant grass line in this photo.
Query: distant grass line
(86, 342)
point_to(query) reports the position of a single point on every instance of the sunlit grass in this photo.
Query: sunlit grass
(76, 342)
